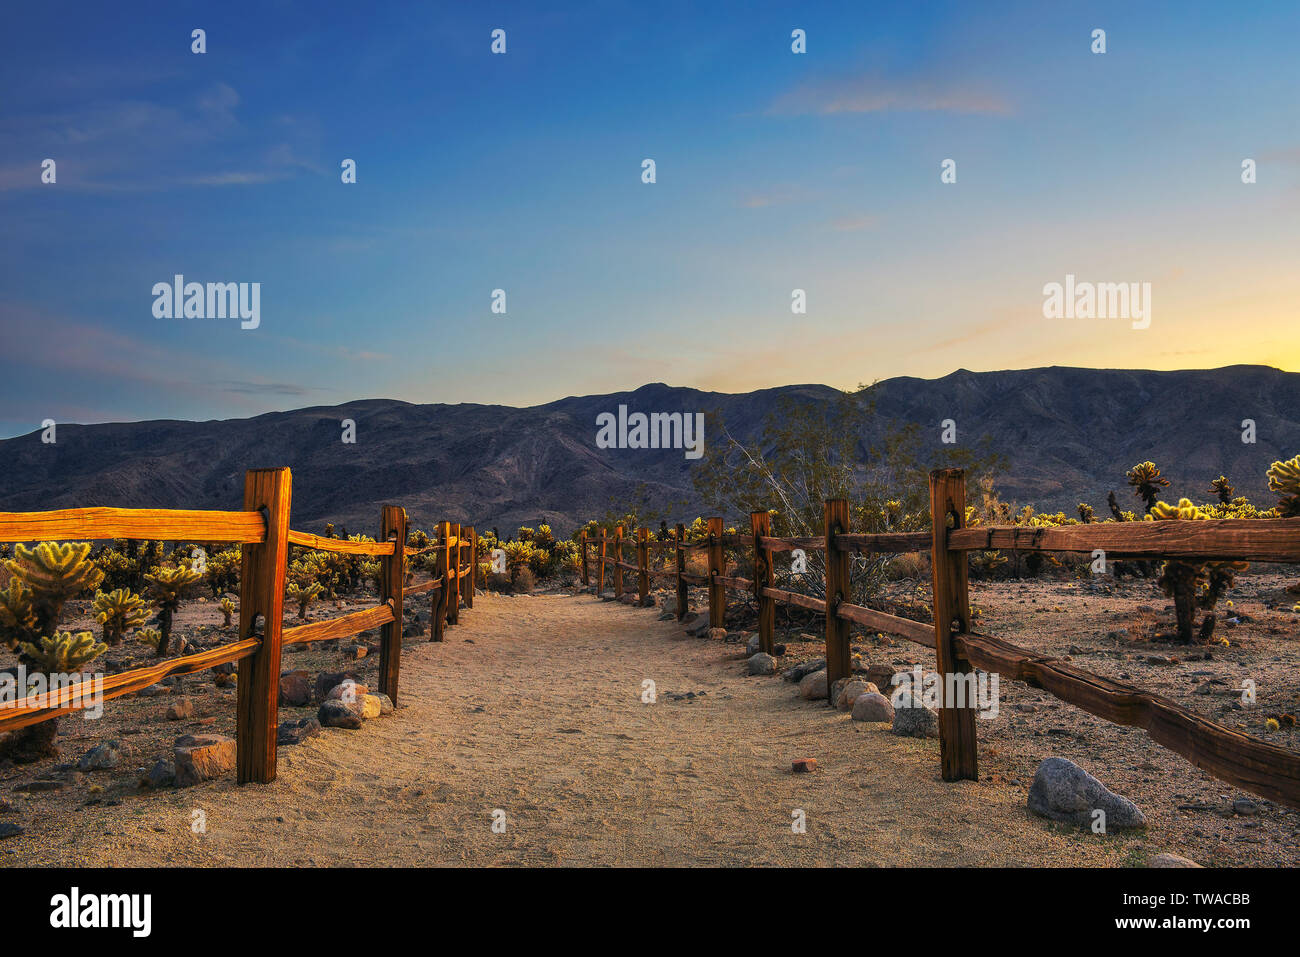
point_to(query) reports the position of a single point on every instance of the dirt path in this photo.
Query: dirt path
(533, 706)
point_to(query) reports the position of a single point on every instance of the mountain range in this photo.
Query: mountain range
(1067, 435)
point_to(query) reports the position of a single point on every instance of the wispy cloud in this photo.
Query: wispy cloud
(852, 224)
(871, 93)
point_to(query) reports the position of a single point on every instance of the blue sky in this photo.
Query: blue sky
(775, 171)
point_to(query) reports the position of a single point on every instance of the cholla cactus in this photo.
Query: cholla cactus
(222, 571)
(149, 636)
(1193, 584)
(303, 595)
(1223, 489)
(1284, 478)
(167, 587)
(63, 652)
(117, 611)
(228, 609)
(53, 573)
(17, 617)
(1147, 482)
(1085, 513)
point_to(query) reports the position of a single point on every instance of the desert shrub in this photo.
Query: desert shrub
(522, 580)
(497, 581)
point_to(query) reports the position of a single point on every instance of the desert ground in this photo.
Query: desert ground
(532, 713)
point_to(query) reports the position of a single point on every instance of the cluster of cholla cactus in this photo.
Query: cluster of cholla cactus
(1193, 584)
(228, 609)
(118, 610)
(167, 587)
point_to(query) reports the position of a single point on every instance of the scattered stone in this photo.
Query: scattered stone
(872, 706)
(154, 691)
(202, 757)
(101, 757)
(761, 664)
(1063, 791)
(359, 652)
(161, 775)
(803, 765)
(295, 732)
(1171, 860)
(295, 689)
(700, 628)
(1245, 807)
(805, 668)
(754, 645)
(850, 691)
(10, 829)
(717, 634)
(912, 719)
(337, 714)
(668, 616)
(882, 676)
(180, 709)
(33, 787)
(813, 686)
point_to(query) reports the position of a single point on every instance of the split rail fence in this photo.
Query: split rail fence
(1226, 753)
(262, 530)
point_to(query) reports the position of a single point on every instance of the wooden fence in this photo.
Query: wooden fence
(262, 529)
(1228, 754)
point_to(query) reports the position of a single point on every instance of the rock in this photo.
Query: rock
(386, 705)
(805, 668)
(761, 664)
(337, 714)
(700, 628)
(717, 634)
(803, 765)
(1063, 791)
(202, 757)
(9, 829)
(329, 679)
(912, 719)
(295, 689)
(370, 707)
(295, 732)
(180, 709)
(413, 630)
(359, 652)
(812, 687)
(161, 775)
(1245, 807)
(1171, 860)
(347, 690)
(101, 757)
(872, 706)
(882, 676)
(154, 691)
(851, 690)
(752, 647)
(667, 616)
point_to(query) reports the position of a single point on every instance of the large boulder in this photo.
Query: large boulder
(912, 719)
(882, 676)
(812, 687)
(797, 673)
(202, 757)
(1063, 791)
(330, 679)
(872, 706)
(340, 714)
(347, 691)
(761, 664)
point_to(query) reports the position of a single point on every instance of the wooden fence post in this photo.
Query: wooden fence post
(261, 593)
(586, 574)
(761, 522)
(717, 566)
(438, 607)
(618, 562)
(392, 525)
(643, 563)
(681, 567)
(471, 537)
(958, 747)
(453, 606)
(600, 565)
(838, 663)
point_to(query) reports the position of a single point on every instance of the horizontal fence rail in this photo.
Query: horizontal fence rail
(1226, 753)
(166, 525)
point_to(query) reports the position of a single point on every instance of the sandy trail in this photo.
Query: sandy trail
(533, 706)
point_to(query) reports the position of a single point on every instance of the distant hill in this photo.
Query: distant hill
(1068, 434)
